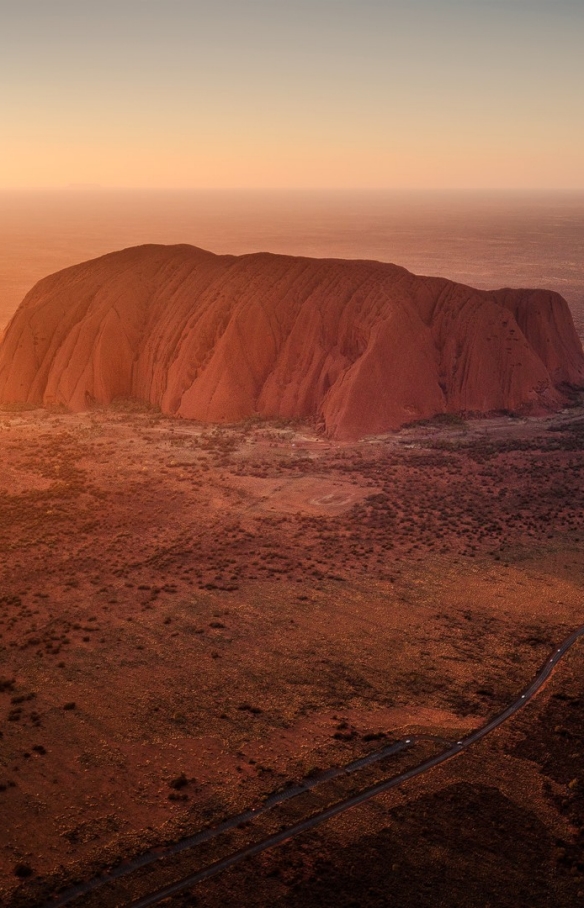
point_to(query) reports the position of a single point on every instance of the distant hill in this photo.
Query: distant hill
(361, 346)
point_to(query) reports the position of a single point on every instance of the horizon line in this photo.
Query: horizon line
(97, 188)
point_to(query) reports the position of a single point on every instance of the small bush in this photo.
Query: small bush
(23, 871)
(179, 782)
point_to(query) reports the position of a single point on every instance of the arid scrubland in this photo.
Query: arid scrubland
(192, 618)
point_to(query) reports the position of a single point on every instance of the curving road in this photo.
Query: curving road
(318, 818)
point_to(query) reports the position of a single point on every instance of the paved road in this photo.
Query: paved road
(290, 832)
(293, 791)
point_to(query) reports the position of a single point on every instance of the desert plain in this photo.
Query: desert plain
(193, 618)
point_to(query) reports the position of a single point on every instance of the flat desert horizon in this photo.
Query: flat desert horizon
(487, 239)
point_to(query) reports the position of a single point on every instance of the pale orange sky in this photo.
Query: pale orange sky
(263, 93)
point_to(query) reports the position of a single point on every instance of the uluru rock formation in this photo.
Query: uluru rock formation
(361, 346)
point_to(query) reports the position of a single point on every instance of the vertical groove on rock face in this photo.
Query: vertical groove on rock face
(360, 346)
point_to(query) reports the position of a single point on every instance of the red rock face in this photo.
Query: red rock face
(361, 346)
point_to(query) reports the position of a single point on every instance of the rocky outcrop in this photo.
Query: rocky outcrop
(363, 347)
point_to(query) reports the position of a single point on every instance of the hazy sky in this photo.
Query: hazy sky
(311, 93)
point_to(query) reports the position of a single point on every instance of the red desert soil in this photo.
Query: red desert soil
(247, 604)
(360, 347)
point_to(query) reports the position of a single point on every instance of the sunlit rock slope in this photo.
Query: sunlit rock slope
(360, 346)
